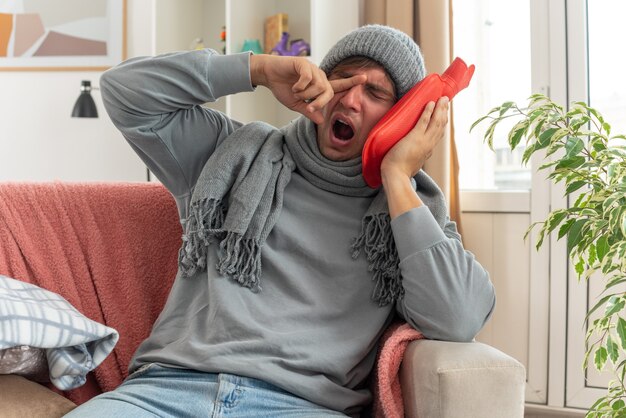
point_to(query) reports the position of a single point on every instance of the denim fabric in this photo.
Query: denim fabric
(157, 391)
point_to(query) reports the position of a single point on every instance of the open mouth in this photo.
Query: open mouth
(342, 130)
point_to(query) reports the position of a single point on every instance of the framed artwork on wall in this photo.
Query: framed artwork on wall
(65, 35)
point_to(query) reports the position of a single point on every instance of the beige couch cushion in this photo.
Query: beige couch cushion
(20, 398)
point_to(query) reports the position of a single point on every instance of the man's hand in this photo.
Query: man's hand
(297, 83)
(408, 155)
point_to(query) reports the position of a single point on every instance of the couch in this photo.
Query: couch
(110, 250)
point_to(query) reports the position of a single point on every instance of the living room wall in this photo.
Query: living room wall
(39, 141)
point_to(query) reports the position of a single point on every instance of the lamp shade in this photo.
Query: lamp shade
(85, 107)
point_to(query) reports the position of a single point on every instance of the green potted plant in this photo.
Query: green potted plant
(581, 153)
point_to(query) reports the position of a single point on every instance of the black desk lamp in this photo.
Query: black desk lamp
(85, 107)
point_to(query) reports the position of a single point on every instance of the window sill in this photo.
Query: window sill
(510, 201)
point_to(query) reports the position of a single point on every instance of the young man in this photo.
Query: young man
(291, 267)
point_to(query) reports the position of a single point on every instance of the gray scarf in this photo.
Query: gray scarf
(239, 196)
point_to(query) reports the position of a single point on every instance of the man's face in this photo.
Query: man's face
(351, 114)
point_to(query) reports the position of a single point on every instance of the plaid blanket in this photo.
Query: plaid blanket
(35, 317)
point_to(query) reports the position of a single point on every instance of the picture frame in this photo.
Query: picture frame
(62, 35)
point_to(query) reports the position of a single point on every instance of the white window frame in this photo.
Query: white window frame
(535, 202)
(559, 69)
(546, 368)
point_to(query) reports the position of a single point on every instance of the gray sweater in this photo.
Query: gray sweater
(313, 329)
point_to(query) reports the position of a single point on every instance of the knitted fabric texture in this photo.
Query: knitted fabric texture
(239, 196)
(398, 54)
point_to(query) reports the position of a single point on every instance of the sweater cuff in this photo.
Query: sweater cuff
(230, 74)
(416, 230)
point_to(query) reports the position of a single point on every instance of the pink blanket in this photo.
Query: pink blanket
(101, 247)
(388, 402)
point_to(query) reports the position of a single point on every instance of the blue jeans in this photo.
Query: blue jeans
(157, 391)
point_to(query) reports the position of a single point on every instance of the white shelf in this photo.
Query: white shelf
(319, 22)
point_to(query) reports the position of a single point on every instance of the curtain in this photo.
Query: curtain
(430, 24)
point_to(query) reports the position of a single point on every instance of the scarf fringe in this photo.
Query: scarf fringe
(376, 239)
(240, 259)
(204, 223)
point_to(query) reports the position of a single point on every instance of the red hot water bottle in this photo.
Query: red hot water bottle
(403, 116)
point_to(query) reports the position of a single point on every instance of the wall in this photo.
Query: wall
(39, 141)
(179, 26)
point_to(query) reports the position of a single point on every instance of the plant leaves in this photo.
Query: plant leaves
(621, 331)
(544, 138)
(596, 307)
(598, 406)
(592, 255)
(573, 146)
(618, 405)
(536, 98)
(614, 305)
(505, 106)
(579, 203)
(576, 124)
(537, 129)
(580, 267)
(572, 187)
(613, 349)
(577, 155)
(572, 162)
(565, 228)
(574, 234)
(602, 247)
(489, 133)
(595, 113)
(554, 219)
(477, 122)
(528, 152)
(517, 133)
(600, 358)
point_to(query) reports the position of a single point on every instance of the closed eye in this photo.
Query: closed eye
(374, 90)
(378, 93)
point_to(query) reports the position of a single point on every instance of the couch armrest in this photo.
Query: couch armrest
(472, 380)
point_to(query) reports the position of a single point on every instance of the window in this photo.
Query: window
(495, 36)
(607, 84)
(595, 65)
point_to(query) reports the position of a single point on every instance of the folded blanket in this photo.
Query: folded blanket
(388, 402)
(109, 249)
(35, 317)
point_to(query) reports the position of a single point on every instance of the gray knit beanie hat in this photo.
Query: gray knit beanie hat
(398, 54)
